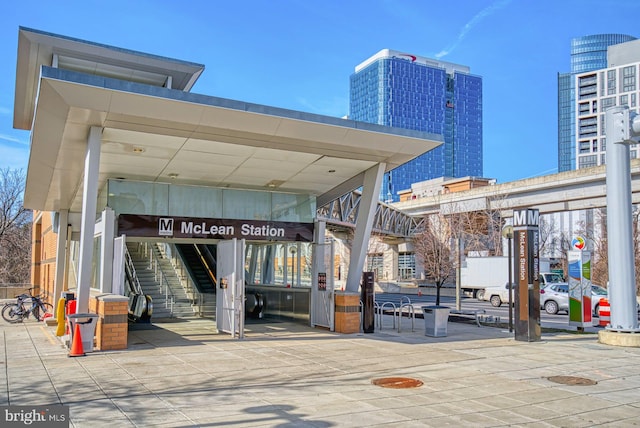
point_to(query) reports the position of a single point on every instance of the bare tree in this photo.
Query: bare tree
(15, 228)
(15, 255)
(547, 230)
(481, 229)
(433, 248)
(596, 232)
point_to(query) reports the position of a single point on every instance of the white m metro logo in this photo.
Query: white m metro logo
(165, 226)
(526, 217)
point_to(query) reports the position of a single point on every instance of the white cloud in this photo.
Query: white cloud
(489, 10)
(12, 139)
(337, 107)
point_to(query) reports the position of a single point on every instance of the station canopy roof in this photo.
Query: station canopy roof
(155, 130)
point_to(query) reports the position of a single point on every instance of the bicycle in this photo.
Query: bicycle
(17, 312)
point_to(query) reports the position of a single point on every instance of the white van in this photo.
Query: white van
(498, 295)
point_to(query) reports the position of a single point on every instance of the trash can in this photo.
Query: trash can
(87, 324)
(435, 320)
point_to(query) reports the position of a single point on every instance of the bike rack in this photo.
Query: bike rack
(412, 313)
(381, 313)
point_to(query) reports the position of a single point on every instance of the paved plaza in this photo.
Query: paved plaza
(184, 374)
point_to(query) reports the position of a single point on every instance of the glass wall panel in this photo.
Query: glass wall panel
(195, 201)
(290, 207)
(247, 205)
(281, 264)
(133, 197)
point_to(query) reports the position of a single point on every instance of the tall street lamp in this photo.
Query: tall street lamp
(292, 250)
(507, 232)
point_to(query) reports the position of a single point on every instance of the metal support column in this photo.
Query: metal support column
(106, 250)
(622, 281)
(61, 256)
(89, 203)
(364, 223)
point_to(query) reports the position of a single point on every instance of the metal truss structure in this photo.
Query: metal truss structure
(343, 213)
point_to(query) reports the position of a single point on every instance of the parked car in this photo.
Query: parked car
(555, 298)
(497, 295)
(597, 293)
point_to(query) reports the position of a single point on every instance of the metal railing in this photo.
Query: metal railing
(149, 252)
(140, 305)
(131, 271)
(380, 309)
(411, 312)
(194, 295)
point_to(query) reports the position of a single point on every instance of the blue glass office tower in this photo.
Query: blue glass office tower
(406, 91)
(588, 53)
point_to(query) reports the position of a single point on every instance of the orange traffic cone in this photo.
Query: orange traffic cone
(76, 344)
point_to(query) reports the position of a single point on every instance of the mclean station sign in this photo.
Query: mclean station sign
(149, 226)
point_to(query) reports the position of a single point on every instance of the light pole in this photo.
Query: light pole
(507, 232)
(292, 250)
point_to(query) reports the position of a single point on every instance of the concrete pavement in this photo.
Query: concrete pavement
(184, 374)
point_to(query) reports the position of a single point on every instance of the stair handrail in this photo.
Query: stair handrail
(132, 271)
(197, 298)
(159, 276)
(205, 264)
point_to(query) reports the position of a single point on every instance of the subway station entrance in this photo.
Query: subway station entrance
(118, 137)
(229, 270)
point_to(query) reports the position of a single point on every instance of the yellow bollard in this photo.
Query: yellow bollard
(60, 317)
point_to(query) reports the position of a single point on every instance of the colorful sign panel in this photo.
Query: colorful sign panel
(578, 243)
(149, 226)
(580, 289)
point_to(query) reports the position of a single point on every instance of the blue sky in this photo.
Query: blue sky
(299, 54)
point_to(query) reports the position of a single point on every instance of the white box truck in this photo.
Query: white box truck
(480, 273)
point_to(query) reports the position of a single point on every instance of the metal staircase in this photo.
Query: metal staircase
(159, 280)
(204, 303)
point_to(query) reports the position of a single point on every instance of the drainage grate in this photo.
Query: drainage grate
(397, 382)
(572, 380)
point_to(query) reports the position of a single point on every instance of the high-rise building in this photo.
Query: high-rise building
(588, 53)
(614, 85)
(580, 121)
(408, 91)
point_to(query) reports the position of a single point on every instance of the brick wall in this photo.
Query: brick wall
(112, 328)
(43, 256)
(347, 317)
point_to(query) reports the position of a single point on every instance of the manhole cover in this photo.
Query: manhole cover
(397, 382)
(572, 380)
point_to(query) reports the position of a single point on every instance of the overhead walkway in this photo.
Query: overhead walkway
(342, 213)
(566, 191)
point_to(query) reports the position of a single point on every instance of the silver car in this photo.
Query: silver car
(555, 298)
(597, 293)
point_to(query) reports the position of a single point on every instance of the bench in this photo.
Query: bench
(468, 312)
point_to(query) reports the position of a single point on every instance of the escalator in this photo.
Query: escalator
(140, 304)
(200, 260)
